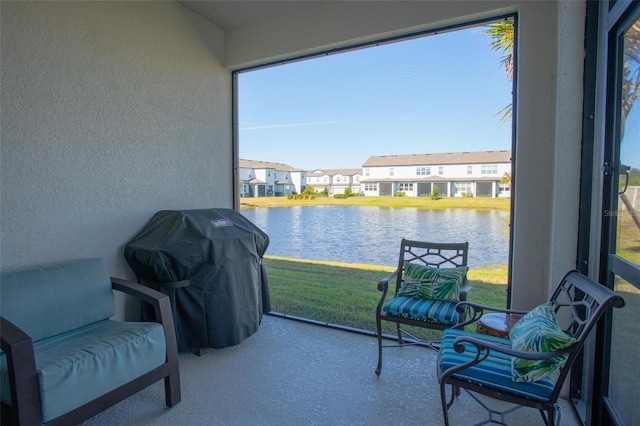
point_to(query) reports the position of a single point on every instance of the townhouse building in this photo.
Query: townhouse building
(335, 181)
(456, 174)
(266, 179)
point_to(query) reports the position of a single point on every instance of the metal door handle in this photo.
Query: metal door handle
(624, 169)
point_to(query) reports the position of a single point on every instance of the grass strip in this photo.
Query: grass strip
(479, 203)
(347, 294)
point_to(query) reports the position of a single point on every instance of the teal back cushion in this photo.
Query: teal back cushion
(49, 300)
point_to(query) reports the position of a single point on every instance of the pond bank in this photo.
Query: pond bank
(503, 204)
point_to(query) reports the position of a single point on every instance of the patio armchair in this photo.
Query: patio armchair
(428, 282)
(530, 367)
(63, 359)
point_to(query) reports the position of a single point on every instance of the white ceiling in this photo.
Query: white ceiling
(236, 13)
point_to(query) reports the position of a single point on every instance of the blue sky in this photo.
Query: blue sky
(439, 93)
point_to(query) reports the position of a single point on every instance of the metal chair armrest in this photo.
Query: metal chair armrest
(485, 345)
(473, 311)
(383, 284)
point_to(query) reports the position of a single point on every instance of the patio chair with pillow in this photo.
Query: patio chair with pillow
(429, 280)
(528, 368)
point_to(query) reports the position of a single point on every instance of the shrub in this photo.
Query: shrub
(400, 194)
(435, 193)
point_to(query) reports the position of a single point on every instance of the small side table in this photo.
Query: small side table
(497, 324)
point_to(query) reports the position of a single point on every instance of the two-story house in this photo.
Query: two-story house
(266, 179)
(456, 174)
(335, 181)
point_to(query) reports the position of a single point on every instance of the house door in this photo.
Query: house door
(617, 362)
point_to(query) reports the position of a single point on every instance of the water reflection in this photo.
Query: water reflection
(372, 235)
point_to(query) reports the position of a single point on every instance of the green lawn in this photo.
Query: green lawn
(347, 294)
(396, 202)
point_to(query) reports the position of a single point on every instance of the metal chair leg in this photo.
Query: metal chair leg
(379, 328)
(399, 331)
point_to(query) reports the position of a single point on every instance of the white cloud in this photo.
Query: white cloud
(278, 126)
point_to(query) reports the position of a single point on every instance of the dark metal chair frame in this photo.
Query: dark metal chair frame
(579, 303)
(23, 379)
(447, 255)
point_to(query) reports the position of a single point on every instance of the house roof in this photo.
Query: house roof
(478, 157)
(432, 179)
(254, 181)
(252, 164)
(333, 172)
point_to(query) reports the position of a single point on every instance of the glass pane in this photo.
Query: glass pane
(627, 214)
(625, 354)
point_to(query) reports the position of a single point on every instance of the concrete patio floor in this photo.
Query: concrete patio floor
(294, 373)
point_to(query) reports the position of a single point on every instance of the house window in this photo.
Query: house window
(370, 186)
(463, 188)
(422, 171)
(504, 187)
(366, 172)
(405, 187)
(391, 172)
(338, 179)
(469, 170)
(489, 169)
(440, 170)
(357, 178)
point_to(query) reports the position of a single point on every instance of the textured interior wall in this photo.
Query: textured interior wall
(111, 111)
(549, 93)
(564, 244)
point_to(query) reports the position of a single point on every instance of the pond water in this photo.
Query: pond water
(372, 235)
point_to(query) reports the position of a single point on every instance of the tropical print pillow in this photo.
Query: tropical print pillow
(409, 289)
(426, 282)
(538, 331)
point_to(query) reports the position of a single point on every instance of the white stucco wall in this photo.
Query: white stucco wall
(111, 111)
(549, 81)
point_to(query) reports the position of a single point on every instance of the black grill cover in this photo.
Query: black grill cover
(209, 262)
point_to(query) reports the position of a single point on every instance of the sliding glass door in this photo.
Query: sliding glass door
(616, 396)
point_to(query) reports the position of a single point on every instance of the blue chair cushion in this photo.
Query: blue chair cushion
(422, 309)
(76, 367)
(494, 371)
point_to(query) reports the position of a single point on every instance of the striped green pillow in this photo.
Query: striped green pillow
(538, 331)
(426, 282)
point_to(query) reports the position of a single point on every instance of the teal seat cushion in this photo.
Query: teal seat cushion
(422, 309)
(76, 367)
(494, 371)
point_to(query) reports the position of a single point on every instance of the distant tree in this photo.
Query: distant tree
(501, 34)
(506, 178)
(631, 71)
